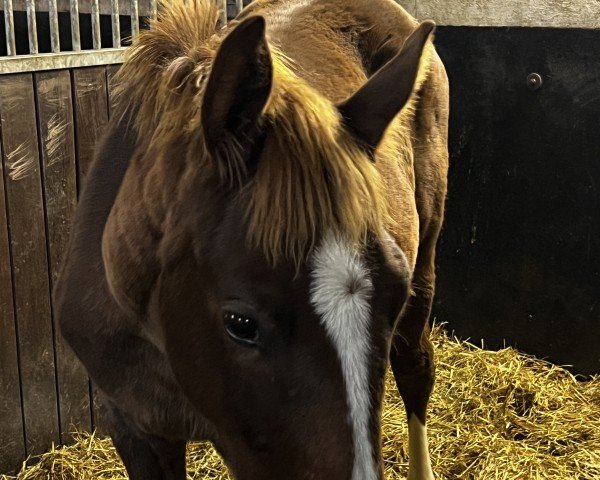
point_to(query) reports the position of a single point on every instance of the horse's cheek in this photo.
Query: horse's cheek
(196, 363)
(194, 344)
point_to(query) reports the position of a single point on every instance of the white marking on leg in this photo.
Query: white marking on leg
(340, 293)
(419, 463)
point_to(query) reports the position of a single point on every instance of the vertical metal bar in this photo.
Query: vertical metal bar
(116, 29)
(135, 19)
(153, 8)
(54, 36)
(31, 27)
(74, 8)
(223, 9)
(9, 22)
(239, 6)
(96, 40)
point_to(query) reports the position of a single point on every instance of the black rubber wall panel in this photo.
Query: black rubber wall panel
(519, 258)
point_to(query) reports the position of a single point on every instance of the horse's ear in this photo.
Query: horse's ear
(240, 82)
(370, 110)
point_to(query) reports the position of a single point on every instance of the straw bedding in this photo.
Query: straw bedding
(493, 415)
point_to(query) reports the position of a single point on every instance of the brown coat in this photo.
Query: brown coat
(234, 153)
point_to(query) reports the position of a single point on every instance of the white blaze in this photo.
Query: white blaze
(341, 290)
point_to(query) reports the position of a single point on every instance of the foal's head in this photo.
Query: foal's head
(277, 288)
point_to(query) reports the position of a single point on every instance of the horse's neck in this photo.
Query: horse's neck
(332, 41)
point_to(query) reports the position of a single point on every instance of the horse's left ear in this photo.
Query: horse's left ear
(240, 83)
(370, 110)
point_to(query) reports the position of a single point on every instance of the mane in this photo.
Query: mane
(325, 182)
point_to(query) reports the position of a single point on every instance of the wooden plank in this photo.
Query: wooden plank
(12, 441)
(91, 113)
(111, 71)
(91, 117)
(57, 141)
(29, 261)
(58, 61)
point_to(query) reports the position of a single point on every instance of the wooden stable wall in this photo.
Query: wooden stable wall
(49, 122)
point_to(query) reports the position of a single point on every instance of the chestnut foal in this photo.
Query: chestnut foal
(257, 238)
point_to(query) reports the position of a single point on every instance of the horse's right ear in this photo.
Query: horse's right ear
(370, 110)
(240, 83)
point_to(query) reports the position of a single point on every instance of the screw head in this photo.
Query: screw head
(534, 81)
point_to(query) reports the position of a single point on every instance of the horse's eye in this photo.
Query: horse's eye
(241, 328)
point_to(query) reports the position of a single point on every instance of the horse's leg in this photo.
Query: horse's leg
(171, 458)
(411, 357)
(412, 353)
(146, 457)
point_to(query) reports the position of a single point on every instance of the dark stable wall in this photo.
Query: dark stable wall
(519, 257)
